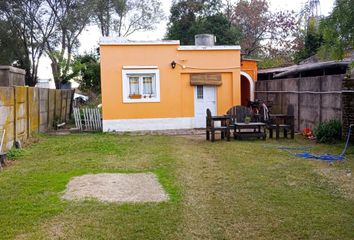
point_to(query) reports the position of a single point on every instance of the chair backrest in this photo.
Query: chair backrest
(290, 110)
(208, 117)
(239, 113)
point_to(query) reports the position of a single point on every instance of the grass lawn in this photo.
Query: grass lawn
(221, 190)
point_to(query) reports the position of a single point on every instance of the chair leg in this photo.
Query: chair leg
(207, 135)
(222, 135)
(277, 133)
(292, 133)
(285, 133)
(228, 134)
(212, 135)
(270, 133)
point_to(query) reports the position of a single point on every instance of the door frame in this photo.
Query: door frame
(252, 84)
(195, 99)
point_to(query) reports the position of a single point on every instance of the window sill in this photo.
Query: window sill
(141, 100)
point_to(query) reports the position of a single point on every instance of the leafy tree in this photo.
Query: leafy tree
(31, 21)
(312, 41)
(11, 47)
(338, 30)
(71, 16)
(103, 15)
(125, 17)
(182, 20)
(89, 72)
(191, 17)
(263, 31)
(220, 26)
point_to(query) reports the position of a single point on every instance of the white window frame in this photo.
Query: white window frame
(125, 79)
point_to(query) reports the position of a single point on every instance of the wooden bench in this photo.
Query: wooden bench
(243, 130)
(250, 130)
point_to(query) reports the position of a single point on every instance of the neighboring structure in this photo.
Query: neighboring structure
(11, 76)
(43, 83)
(310, 67)
(162, 85)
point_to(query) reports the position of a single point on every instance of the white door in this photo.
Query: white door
(204, 97)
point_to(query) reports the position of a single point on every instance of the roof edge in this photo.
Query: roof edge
(218, 47)
(124, 41)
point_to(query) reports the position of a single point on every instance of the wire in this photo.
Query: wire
(200, 68)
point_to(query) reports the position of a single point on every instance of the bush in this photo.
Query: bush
(14, 153)
(328, 131)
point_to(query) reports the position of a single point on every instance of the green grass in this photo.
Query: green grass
(221, 190)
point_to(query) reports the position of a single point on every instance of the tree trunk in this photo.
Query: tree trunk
(56, 74)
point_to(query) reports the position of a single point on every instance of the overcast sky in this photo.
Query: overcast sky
(90, 37)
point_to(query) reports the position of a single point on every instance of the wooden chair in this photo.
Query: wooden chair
(239, 113)
(283, 122)
(211, 128)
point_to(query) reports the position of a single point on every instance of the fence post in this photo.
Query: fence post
(298, 105)
(28, 112)
(15, 117)
(321, 87)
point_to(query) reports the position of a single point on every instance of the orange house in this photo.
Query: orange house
(162, 85)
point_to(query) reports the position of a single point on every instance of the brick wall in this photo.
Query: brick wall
(348, 104)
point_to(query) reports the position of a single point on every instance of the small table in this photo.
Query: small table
(253, 130)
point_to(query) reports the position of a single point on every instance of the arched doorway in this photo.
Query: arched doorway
(247, 88)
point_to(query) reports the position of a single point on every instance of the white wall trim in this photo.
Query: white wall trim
(124, 41)
(147, 124)
(140, 67)
(252, 84)
(125, 83)
(193, 48)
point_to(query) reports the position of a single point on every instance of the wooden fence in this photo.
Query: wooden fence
(27, 110)
(88, 119)
(315, 99)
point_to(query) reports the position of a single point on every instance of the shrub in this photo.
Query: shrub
(14, 153)
(328, 131)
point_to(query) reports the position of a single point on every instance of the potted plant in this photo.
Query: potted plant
(135, 96)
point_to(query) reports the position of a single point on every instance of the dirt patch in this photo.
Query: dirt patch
(116, 187)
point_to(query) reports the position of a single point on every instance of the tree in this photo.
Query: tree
(338, 30)
(191, 17)
(89, 72)
(34, 24)
(125, 17)
(103, 16)
(11, 47)
(263, 32)
(71, 16)
(218, 25)
(312, 41)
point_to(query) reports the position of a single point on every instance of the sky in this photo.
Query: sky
(90, 36)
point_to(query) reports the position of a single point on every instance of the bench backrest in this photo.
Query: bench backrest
(239, 113)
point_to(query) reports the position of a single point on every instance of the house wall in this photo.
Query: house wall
(250, 67)
(176, 93)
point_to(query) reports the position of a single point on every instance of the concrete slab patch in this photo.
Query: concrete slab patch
(116, 187)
